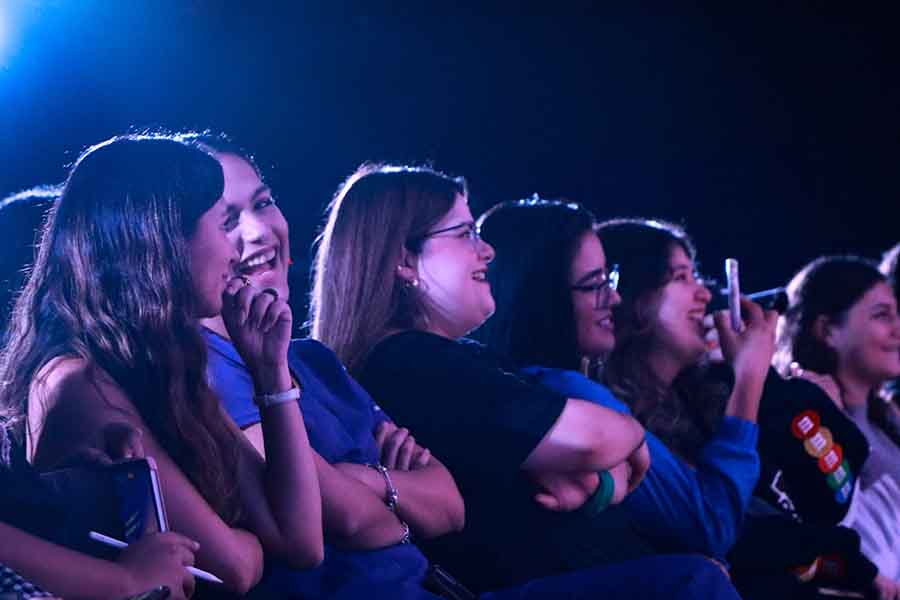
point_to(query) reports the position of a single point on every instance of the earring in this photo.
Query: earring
(413, 284)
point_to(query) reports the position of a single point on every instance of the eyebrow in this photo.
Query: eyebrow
(882, 306)
(231, 207)
(590, 275)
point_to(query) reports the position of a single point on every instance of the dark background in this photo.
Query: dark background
(773, 137)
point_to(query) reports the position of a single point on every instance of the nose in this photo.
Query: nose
(252, 230)
(486, 251)
(703, 294)
(613, 298)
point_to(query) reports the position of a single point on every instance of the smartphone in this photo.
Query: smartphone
(734, 293)
(139, 493)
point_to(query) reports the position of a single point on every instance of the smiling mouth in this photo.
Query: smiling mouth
(261, 261)
(605, 322)
(479, 276)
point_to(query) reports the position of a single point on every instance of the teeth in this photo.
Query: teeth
(479, 276)
(259, 260)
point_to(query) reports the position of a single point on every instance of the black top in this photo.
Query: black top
(27, 501)
(482, 419)
(810, 452)
(62, 506)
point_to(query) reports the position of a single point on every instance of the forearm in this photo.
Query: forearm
(354, 516)
(291, 486)
(62, 571)
(586, 437)
(429, 501)
(745, 396)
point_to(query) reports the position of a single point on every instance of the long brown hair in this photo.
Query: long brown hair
(685, 414)
(112, 285)
(357, 297)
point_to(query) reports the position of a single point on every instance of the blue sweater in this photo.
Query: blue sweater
(683, 508)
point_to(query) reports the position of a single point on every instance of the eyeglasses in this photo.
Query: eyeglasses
(466, 230)
(602, 289)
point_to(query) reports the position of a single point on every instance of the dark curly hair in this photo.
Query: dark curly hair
(686, 414)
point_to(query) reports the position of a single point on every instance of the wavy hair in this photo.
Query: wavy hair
(112, 285)
(535, 242)
(356, 296)
(686, 414)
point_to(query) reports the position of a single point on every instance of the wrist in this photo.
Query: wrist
(391, 496)
(271, 379)
(123, 583)
(750, 377)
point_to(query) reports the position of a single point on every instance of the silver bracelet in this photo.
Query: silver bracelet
(266, 400)
(391, 496)
(407, 537)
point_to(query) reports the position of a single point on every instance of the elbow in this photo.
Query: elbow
(242, 577)
(304, 554)
(347, 525)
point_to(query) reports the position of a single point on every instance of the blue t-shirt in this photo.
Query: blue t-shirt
(340, 419)
(684, 508)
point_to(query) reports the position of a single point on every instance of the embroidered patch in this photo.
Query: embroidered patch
(805, 424)
(831, 460)
(843, 494)
(819, 443)
(839, 476)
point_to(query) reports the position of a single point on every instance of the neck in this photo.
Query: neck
(664, 366)
(216, 325)
(855, 390)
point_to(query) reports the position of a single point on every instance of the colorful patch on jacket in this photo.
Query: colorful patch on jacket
(819, 444)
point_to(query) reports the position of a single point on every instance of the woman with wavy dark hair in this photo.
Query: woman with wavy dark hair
(106, 330)
(550, 261)
(842, 332)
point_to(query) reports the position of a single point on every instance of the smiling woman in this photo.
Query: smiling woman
(400, 278)
(842, 332)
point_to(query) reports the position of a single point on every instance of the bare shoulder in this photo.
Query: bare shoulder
(69, 403)
(77, 380)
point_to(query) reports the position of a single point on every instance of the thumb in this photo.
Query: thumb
(548, 501)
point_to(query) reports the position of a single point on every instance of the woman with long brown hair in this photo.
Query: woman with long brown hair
(106, 330)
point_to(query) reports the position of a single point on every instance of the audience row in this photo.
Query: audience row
(527, 399)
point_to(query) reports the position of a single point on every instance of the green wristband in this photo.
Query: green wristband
(601, 498)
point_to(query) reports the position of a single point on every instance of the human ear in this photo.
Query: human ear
(824, 331)
(407, 270)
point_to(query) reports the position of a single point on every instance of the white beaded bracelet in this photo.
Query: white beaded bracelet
(267, 400)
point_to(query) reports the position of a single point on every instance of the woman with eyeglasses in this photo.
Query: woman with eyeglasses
(400, 278)
(551, 262)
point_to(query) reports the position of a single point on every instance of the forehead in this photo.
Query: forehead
(241, 178)
(678, 257)
(458, 213)
(588, 253)
(880, 293)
